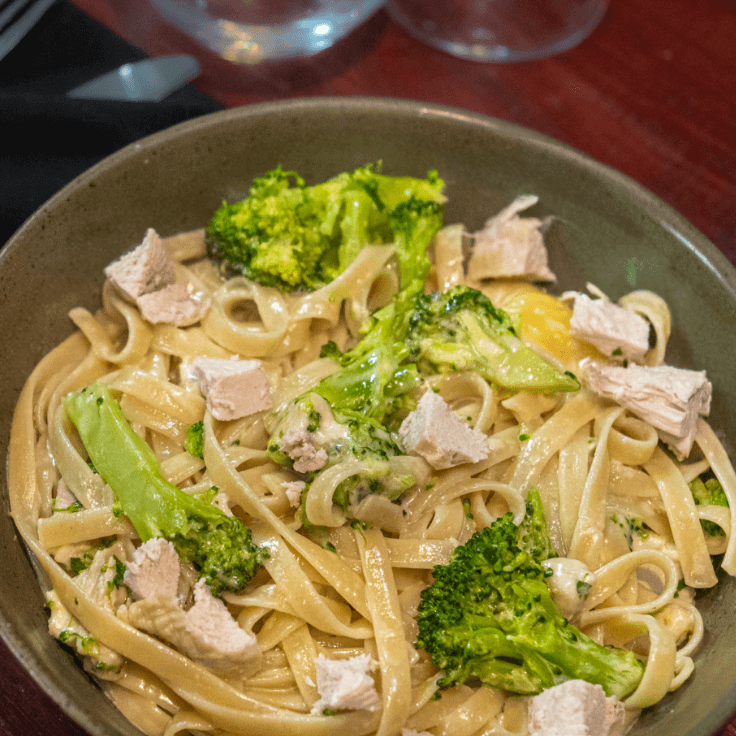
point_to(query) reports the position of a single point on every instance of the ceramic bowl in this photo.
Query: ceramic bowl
(608, 230)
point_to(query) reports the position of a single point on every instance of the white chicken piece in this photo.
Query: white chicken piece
(173, 304)
(294, 489)
(206, 633)
(154, 570)
(611, 328)
(297, 444)
(434, 432)
(147, 276)
(575, 708)
(143, 270)
(345, 684)
(510, 246)
(233, 388)
(670, 399)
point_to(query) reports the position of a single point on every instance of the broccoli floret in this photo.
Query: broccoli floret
(219, 546)
(418, 335)
(489, 616)
(709, 493)
(298, 238)
(461, 330)
(194, 443)
(414, 223)
(372, 391)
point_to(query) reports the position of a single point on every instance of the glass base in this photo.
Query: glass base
(252, 31)
(499, 30)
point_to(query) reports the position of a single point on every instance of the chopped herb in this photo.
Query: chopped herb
(583, 589)
(329, 547)
(617, 351)
(72, 508)
(467, 509)
(315, 419)
(80, 564)
(117, 580)
(360, 525)
(330, 350)
(104, 667)
(86, 644)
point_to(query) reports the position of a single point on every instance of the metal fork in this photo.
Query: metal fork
(17, 17)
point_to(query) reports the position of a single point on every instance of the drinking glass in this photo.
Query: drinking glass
(499, 30)
(251, 31)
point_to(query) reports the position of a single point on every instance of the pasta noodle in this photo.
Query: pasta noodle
(350, 592)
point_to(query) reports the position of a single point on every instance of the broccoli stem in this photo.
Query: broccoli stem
(219, 546)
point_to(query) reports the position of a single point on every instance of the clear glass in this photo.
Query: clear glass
(251, 31)
(499, 30)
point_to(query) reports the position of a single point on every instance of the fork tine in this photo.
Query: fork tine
(17, 18)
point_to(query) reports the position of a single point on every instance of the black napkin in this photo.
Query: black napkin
(47, 138)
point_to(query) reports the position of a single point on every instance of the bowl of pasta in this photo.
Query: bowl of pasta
(368, 416)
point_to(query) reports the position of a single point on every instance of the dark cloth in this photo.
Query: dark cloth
(46, 138)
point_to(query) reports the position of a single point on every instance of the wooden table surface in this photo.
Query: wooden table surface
(651, 93)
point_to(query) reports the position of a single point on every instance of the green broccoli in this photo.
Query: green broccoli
(373, 390)
(709, 493)
(418, 335)
(461, 330)
(489, 616)
(219, 546)
(298, 238)
(194, 443)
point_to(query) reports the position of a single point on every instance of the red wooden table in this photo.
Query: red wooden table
(651, 93)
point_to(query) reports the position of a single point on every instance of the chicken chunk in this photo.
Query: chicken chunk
(233, 388)
(154, 570)
(438, 435)
(172, 304)
(611, 328)
(143, 270)
(297, 444)
(510, 246)
(294, 489)
(206, 633)
(147, 276)
(670, 399)
(575, 708)
(345, 684)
